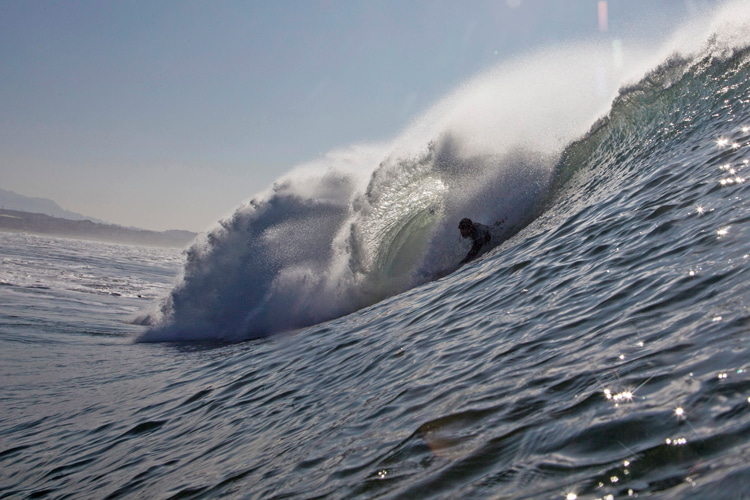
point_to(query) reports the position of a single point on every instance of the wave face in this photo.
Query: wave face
(372, 221)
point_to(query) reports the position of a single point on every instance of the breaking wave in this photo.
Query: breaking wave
(364, 223)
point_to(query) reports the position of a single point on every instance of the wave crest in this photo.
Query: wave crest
(371, 221)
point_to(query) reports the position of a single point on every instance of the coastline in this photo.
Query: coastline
(36, 223)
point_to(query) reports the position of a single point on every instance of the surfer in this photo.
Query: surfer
(479, 234)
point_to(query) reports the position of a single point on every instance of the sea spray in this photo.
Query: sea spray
(371, 221)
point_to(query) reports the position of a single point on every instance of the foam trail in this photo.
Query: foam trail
(364, 223)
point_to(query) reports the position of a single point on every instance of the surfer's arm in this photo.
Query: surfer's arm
(472, 253)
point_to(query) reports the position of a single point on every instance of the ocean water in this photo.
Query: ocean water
(321, 342)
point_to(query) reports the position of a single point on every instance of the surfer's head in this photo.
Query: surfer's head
(465, 226)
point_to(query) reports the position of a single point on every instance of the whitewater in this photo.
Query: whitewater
(372, 221)
(322, 342)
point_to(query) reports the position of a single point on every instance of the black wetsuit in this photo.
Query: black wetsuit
(480, 235)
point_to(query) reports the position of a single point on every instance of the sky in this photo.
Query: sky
(168, 115)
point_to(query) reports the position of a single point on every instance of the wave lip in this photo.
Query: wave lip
(373, 221)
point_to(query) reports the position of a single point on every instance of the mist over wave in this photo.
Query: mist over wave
(364, 223)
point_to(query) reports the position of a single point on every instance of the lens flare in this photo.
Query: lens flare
(603, 16)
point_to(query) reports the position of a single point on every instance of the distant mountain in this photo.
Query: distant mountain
(38, 223)
(13, 201)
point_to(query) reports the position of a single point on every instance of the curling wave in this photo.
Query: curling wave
(372, 221)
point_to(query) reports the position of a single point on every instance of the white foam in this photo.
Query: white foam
(329, 237)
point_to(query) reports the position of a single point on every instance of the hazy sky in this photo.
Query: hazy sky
(169, 114)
